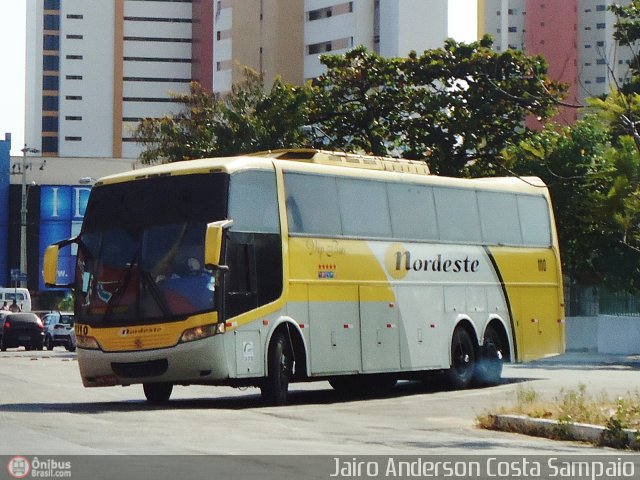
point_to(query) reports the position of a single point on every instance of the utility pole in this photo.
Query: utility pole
(23, 216)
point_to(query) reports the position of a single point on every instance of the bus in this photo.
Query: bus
(298, 265)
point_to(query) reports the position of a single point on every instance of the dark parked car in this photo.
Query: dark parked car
(21, 330)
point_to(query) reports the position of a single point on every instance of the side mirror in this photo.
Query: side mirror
(50, 263)
(213, 244)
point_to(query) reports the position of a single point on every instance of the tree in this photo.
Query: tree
(571, 161)
(594, 180)
(66, 304)
(248, 119)
(357, 102)
(457, 106)
(618, 212)
(475, 102)
(593, 173)
(619, 205)
(627, 27)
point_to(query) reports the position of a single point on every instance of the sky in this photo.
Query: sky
(12, 60)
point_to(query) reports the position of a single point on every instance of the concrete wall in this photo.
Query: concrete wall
(604, 334)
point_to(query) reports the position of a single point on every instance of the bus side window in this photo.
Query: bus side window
(241, 278)
(457, 215)
(534, 220)
(503, 228)
(254, 245)
(294, 216)
(306, 192)
(253, 202)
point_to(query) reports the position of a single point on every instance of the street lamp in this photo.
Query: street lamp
(23, 214)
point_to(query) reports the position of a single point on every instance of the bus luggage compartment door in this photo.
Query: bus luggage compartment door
(379, 329)
(334, 329)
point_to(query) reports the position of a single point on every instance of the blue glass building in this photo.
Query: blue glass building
(5, 156)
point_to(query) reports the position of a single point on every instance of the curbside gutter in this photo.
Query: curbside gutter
(554, 429)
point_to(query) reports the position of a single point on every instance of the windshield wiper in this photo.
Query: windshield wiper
(121, 288)
(157, 296)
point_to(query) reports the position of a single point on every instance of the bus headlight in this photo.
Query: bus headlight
(202, 331)
(89, 343)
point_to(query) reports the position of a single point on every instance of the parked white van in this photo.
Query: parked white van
(21, 296)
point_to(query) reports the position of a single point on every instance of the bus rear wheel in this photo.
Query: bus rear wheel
(489, 368)
(275, 386)
(157, 392)
(463, 359)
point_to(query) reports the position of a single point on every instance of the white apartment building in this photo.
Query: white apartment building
(95, 68)
(287, 37)
(507, 30)
(390, 27)
(265, 35)
(600, 62)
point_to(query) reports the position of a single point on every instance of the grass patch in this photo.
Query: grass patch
(574, 406)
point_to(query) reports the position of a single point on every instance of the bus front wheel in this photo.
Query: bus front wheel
(463, 359)
(157, 392)
(275, 386)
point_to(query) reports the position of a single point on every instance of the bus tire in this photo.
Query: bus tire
(362, 384)
(342, 384)
(489, 367)
(157, 393)
(275, 386)
(463, 359)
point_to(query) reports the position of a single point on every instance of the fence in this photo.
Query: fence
(581, 301)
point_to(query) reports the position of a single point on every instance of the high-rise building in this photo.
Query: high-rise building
(286, 37)
(95, 68)
(265, 35)
(575, 36)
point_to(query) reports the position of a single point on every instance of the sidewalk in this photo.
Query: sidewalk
(612, 374)
(590, 358)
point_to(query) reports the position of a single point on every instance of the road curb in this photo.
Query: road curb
(544, 427)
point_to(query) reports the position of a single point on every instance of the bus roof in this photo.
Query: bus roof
(352, 160)
(334, 163)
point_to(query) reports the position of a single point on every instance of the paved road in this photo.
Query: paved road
(44, 410)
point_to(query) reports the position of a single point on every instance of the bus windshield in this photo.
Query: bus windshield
(140, 250)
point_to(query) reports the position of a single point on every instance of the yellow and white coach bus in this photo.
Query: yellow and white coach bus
(300, 265)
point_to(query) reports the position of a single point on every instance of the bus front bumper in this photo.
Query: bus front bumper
(200, 361)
